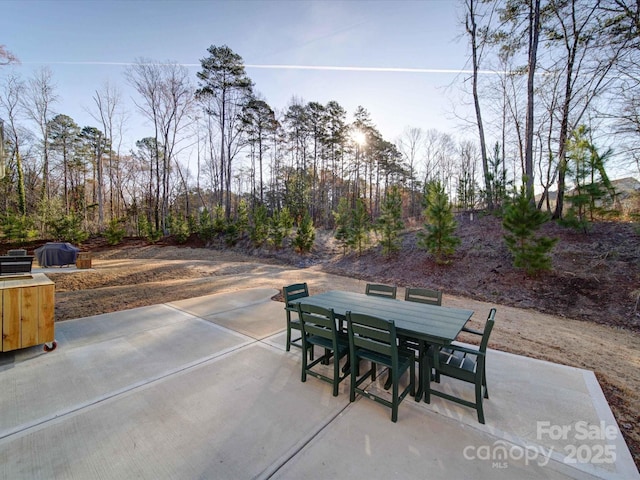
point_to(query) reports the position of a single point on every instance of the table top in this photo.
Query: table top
(432, 323)
(24, 280)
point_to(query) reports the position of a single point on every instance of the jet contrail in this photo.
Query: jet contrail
(305, 67)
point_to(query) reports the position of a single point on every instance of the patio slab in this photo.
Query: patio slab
(203, 388)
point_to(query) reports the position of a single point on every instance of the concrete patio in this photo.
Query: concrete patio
(203, 388)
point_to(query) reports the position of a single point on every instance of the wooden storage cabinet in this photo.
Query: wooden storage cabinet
(27, 306)
(84, 260)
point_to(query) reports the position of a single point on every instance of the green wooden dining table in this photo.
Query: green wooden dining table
(431, 324)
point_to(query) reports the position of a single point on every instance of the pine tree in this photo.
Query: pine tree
(259, 229)
(593, 189)
(342, 218)
(358, 232)
(242, 217)
(438, 237)
(279, 227)
(306, 235)
(390, 223)
(522, 219)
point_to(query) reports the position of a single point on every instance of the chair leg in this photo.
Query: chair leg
(336, 374)
(388, 383)
(484, 382)
(288, 330)
(426, 379)
(394, 402)
(352, 382)
(479, 401)
(412, 378)
(304, 363)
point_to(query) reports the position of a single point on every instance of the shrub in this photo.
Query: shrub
(67, 228)
(179, 228)
(305, 236)
(115, 231)
(438, 237)
(522, 219)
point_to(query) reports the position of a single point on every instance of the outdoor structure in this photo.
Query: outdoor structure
(27, 311)
(56, 254)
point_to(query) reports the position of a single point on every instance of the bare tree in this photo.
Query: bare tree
(38, 104)
(108, 112)
(6, 57)
(584, 63)
(10, 101)
(477, 45)
(410, 145)
(166, 100)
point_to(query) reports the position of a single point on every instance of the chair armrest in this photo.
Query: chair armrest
(460, 348)
(471, 330)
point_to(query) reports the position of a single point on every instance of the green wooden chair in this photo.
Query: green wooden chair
(374, 339)
(420, 295)
(423, 295)
(463, 363)
(319, 328)
(379, 290)
(293, 292)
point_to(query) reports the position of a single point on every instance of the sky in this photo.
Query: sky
(398, 59)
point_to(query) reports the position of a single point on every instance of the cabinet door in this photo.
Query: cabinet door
(10, 319)
(47, 313)
(29, 313)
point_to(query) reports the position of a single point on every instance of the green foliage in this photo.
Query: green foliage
(358, 232)
(438, 237)
(232, 234)
(242, 220)
(521, 220)
(306, 235)
(342, 218)
(67, 228)
(594, 194)
(219, 221)
(390, 222)
(497, 180)
(279, 227)
(205, 225)
(466, 192)
(193, 223)
(286, 219)
(17, 228)
(259, 228)
(179, 228)
(146, 230)
(297, 193)
(115, 231)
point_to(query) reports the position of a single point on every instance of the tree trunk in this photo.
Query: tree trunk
(472, 30)
(534, 32)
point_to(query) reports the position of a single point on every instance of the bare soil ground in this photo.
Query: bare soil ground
(583, 313)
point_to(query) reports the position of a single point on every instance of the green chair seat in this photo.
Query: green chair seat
(319, 328)
(374, 339)
(462, 363)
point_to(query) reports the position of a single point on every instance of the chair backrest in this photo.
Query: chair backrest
(317, 321)
(295, 291)
(423, 295)
(373, 333)
(487, 330)
(379, 290)
(18, 252)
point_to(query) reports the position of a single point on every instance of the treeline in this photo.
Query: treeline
(305, 158)
(215, 143)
